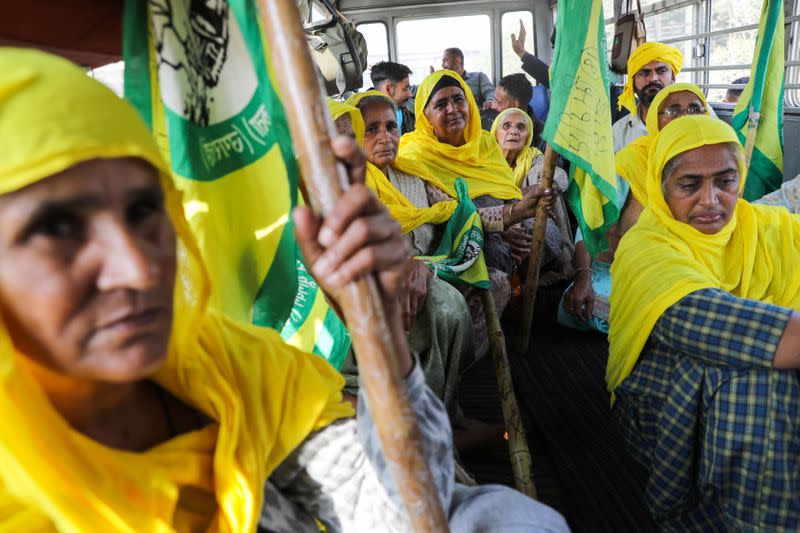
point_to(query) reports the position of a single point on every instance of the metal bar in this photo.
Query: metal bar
(724, 31)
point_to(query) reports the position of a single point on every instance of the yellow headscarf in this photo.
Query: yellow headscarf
(337, 109)
(631, 161)
(406, 213)
(480, 161)
(661, 260)
(647, 53)
(526, 155)
(264, 396)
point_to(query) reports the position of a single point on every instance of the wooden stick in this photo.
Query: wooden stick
(520, 454)
(537, 247)
(750, 141)
(311, 129)
(752, 129)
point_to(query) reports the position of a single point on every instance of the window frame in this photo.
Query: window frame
(699, 65)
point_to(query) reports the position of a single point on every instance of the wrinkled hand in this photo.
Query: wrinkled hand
(417, 276)
(526, 208)
(488, 104)
(518, 43)
(579, 299)
(431, 69)
(357, 238)
(520, 243)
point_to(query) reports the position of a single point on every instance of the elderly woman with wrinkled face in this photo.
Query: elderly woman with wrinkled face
(705, 339)
(127, 404)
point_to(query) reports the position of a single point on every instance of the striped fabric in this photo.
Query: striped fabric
(715, 426)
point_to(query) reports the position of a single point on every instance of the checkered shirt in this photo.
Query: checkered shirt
(717, 428)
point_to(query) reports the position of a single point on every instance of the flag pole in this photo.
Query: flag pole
(537, 247)
(518, 450)
(752, 128)
(311, 129)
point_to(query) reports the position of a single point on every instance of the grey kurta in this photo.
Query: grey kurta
(340, 476)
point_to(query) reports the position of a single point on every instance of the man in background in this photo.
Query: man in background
(732, 95)
(392, 79)
(478, 82)
(513, 90)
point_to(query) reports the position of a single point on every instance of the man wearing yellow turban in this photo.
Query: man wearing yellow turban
(705, 340)
(127, 404)
(651, 67)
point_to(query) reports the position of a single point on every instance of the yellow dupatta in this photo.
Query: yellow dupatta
(337, 109)
(406, 213)
(647, 53)
(263, 396)
(479, 161)
(526, 156)
(631, 161)
(661, 260)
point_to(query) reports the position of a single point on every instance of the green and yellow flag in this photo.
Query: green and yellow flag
(199, 74)
(579, 121)
(459, 257)
(759, 112)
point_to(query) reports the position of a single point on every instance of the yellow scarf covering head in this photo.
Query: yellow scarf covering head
(647, 53)
(264, 396)
(406, 213)
(337, 109)
(479, 161)
(631, 161)
(661, 260)
(526, 156)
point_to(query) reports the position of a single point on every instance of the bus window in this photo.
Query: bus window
(731, 49)
(610, 19)
(510, 24)
(377, 45)
(420, 43)
(674, 24)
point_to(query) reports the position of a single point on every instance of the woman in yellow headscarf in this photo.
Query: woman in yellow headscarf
(705, 340)
(127, 404)
(448, 143)
(514, 131)
(435, 314)
(673, 101)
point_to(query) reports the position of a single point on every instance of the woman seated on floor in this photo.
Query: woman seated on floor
(514, 131)
(434, 312)
(448, 143)
(705, 340)
(126, 404)
(585, 303)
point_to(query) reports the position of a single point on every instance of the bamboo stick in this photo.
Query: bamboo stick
(752, 129)
(521, 460)
(311, 130)
(535, 260)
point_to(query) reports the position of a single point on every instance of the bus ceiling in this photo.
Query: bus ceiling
(88, 32)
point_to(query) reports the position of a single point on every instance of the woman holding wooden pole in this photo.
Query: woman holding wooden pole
(168, 416)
